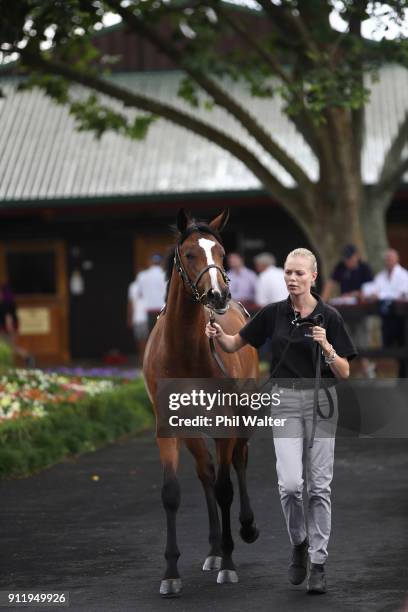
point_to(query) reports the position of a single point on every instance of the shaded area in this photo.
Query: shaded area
(103, 540)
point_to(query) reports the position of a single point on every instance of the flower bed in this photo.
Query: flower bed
(45, 417)
(97, 372)
(33, 393)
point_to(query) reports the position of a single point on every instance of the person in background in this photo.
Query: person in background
(348, 277)
(9, 325)
(242, 280)
(151, 288)
(137, 319)
(389, 285)
(271, 286)
(392, 282)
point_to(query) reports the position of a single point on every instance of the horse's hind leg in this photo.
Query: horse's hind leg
(249, 531)
(169, 456)
(225, 493)
(206, 473)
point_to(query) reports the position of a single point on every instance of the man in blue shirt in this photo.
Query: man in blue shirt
(349, 275)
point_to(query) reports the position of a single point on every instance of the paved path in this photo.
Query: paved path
(103, 540)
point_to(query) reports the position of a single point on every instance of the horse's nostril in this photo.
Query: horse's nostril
(215, 297)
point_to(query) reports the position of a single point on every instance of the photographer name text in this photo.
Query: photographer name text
(225, 421)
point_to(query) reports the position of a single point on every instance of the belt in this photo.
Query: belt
(299, 385)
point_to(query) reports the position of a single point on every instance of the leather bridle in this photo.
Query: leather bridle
(192, 285)
(195, 294)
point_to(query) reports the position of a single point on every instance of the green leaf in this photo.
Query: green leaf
(138, 130)
(188, 91)
(53, 86)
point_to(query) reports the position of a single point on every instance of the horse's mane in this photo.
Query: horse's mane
(194, 226)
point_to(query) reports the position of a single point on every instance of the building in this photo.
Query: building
(79, 216)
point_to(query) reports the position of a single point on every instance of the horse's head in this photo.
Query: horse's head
(199, 260)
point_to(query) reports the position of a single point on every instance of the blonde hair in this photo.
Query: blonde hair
(304, 253)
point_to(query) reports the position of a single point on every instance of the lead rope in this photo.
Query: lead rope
(316, 407)
(213, 350)
(214, 353)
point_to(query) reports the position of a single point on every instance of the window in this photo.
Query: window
(31, 272)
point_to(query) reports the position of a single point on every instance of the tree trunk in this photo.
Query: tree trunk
(329, 227)
(331, 217)
(372, 215)
(332, 229)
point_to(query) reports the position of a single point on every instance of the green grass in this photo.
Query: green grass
(29, 444)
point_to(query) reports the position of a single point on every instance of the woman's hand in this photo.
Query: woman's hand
(319, 335)
(338, 365)
(229, 344)
(213, 330)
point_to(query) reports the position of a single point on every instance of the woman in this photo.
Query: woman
(293, 358)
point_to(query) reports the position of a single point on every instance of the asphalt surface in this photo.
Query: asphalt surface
(103, 539)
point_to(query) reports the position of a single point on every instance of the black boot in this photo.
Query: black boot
(317, 580)
(298, 566)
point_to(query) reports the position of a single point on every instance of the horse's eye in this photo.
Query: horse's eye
(189, 256)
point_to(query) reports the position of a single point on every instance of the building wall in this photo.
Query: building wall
(100, 242)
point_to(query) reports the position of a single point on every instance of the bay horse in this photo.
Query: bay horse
(178, 348)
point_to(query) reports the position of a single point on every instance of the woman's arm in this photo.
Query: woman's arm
(228, 343)
(338, 365)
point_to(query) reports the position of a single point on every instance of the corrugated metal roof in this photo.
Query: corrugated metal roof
(43, 157)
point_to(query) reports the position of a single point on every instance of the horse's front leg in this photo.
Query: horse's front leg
(224, 493)
(206, 473)
(249, 531)
(169, 454)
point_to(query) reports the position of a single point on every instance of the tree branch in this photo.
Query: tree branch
(283, 17)
(394, 166)
(220, 97)
(129, 98)
(389, 187)
(252, 43)
(357, 14)
(302, 120)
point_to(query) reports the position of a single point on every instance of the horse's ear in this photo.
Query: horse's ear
(182, 220)
(220, 222)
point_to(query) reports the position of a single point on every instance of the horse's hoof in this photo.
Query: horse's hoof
(170, 587)
(226, 576)
(212, 563)
(249, 534)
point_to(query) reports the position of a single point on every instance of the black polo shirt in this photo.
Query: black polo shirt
(275, 322)
(351, 279)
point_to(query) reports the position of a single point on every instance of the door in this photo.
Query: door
(98, 312)
(36, 274)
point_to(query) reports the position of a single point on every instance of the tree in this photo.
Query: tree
(320, 73)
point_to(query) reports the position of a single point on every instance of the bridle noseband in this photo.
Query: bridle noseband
(192, 285)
